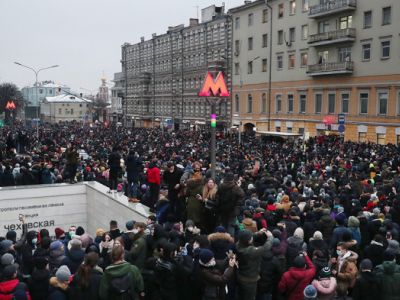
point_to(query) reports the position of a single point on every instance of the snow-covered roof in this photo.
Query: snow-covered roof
(54, 85)
(64, 98)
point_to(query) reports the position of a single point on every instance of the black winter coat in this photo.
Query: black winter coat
(230, 198)
(39, 284)
(76, 292)
(73, 259)
(271, 273)
(366, 287)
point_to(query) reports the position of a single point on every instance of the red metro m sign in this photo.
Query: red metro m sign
(214, 88)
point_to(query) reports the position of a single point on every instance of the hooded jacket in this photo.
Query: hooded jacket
(220, 243)
(347, 274)
(39, 284)
(213, 282)
(230, 199)
(366, 287)
(73, 259)
(389, 277)
(326, 288)
(119, 270)
(91, 292)
(57, 290)
(294, 281)
(11, 287)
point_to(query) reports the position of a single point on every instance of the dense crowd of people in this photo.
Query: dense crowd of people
(316, 219)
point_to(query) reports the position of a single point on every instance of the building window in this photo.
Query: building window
(292, 34)
(250, 67)
(386, 15)
(304, 59)
(237, 22)
(305, 5)
(289, 129)
(345, 103)
(50, 91)
(382, 103)
(250, 43)
(72, 111)
(251, 19)
(385, 49)
(303, 100)
(381, 138)
(236, 68)
(366, 52)
(265, 40)
(344, 54)
(265, 15)
(264, 103)
(280, 10)
(290, 103)
(279, 59)
(368, 19)
(237, 103)
(237, 47)
(364, 103)
(292, 61)
(362, 137)
(304, 32)
(323, 57)
(278, 103)
(301, 130)
(60, 111)
(280, 37)
(278, 129)
(323, 27)
(249, 103)
(318, 103)
(331, 103)
(398, 103)
(264, 65)
(40, 91)
(345, 22)
(292, 4)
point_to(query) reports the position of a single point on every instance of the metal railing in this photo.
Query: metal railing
(331, 5)
(331, 67)
(332, 35)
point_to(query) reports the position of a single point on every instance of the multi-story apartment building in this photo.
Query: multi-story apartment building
(329, 57)
(165, 74)
(117, 95)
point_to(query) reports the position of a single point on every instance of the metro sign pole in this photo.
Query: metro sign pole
(214, 90)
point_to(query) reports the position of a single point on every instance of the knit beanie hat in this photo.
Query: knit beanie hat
(310, 292)
(7, 259)
(245, 236)
(276, 242)
(389, 255)
(5, 245)
(129, 225)
(59, 232)
(299, 232)
(56, 245)
(366, 264)
(325, 272)
(79, 231)
(74, 244)
(63, 273)
(393, 246)
(220, 229)
(353, 222)
(9, 271)
(317, 235)
(205, 256)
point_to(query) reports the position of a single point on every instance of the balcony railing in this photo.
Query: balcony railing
(331, 68)
(330, 7)
(331, 37)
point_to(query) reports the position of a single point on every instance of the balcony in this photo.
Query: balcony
(331, 7)
(332, 68)
(333, 37)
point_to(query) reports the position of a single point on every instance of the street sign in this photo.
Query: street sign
(214, 87)
(341, 128)
(341, 119)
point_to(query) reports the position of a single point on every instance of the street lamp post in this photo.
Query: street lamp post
(270, 65)
(37, 94)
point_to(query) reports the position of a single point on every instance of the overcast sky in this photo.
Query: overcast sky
(84, 37)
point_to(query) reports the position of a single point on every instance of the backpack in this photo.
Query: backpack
(122, 287)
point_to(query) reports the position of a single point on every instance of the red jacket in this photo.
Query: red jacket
(153, 175)
(8, 288)
(294, 281)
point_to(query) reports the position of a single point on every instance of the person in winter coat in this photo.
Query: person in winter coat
(375, 250)
(296, 245)
(294, 281)
(138, 253)
(249, 259)
(25, 248)
(285, 204)
(270, 274)
(166, 272)
(354, 226)
(326, 225)
(220, 243)
(325, 284)
(86, 282)
(38, 283)
(57, 254)
(230, 198)
(388, 274)
(59, 285)
(317, 243)
(172, 177)
(154, 180)
(11, 287)
(338, 232)
(121, 276)
(212, 281)
(133, 169)
(195, 205)
(114, 162)
(74, 255)
(367, 285)
(345, 269)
